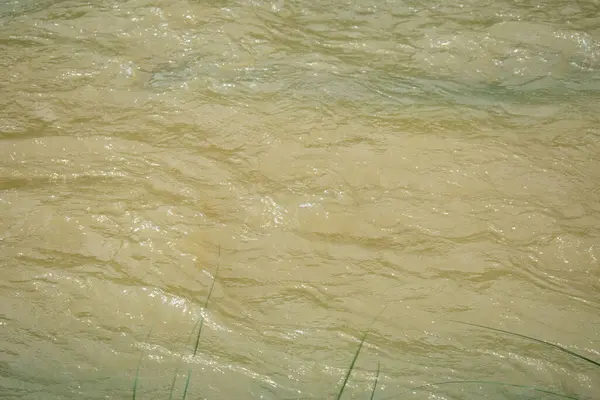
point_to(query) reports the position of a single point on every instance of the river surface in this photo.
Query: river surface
(336, 168)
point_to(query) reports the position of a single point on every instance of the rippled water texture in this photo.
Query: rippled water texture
(330, 158)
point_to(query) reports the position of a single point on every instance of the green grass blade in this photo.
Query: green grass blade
(376, 379)
(198, 337)
(493, 383)
(351, 368)
(200, 324)
(137, 372)
(187, 384)
(535, 340)
(172, 389)
(205, 306)
(339, 395)
(187, 342)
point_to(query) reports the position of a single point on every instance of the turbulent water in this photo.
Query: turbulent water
(336, 168)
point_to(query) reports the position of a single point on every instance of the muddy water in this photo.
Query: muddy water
(435, 160)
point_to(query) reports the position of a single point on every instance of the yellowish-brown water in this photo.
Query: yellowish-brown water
(440, 159)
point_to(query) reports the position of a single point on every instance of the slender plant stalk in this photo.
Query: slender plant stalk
(198, 326)
(535, 340)
(376, 379)
(362, 341)
(540, 390)
(187, 384)
(349, 371)
(137, 372)
(201, 324)
(187, 342)
(204, 308)
(172, 389)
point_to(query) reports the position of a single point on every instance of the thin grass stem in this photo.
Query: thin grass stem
(351, 368)
(376, 379)
(474, 382)
(535, 340)
(137, 372)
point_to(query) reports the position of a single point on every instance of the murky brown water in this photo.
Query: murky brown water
(332, 158)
